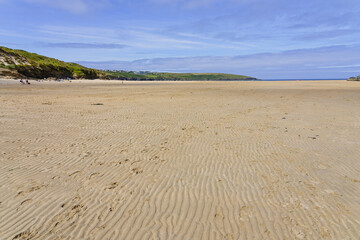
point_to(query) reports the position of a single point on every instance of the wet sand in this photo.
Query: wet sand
(180, 160)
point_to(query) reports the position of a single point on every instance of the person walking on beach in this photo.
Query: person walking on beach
(27, 81)
(22, 81)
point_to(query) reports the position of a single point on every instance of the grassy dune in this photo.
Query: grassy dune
(33, 65)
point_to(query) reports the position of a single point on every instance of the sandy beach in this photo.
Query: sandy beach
(180, 160)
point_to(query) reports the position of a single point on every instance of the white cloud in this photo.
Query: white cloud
(136, 37)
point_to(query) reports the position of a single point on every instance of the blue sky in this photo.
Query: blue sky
(260, 38)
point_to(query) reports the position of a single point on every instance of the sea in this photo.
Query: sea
(312, 79)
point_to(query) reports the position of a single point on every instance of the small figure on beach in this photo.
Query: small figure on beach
(22, 81)
(27, 81)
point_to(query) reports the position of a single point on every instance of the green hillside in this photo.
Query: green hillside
(23, 64)
(176, 76)
(37, 66)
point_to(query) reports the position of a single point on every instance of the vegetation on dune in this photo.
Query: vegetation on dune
(33, 65)
(354, 78)
(21, 63)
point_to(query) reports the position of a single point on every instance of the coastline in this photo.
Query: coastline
(6, 81)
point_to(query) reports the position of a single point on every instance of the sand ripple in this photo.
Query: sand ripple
(180, 161)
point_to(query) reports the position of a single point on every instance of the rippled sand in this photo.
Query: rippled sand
(180, 160)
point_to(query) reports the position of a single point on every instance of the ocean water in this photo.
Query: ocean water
(333, 79)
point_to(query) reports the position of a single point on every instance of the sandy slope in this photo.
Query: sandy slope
(211, 160)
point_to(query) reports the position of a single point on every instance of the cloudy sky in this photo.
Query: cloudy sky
(260, 38)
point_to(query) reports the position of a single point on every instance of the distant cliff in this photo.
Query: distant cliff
(22, 64)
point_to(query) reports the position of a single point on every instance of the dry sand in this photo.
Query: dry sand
(180, 160)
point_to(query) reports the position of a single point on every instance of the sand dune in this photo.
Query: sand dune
(189, 160)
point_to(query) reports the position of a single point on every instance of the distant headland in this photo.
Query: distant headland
(354, 78)
(22, 64)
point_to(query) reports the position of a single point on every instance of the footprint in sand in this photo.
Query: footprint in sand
(93, 175)
(32, 189)
(72, 174)
(112, 185)
(66, 216)
(298, 233)
(23, 203)
(137, 170)
(29, 234)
